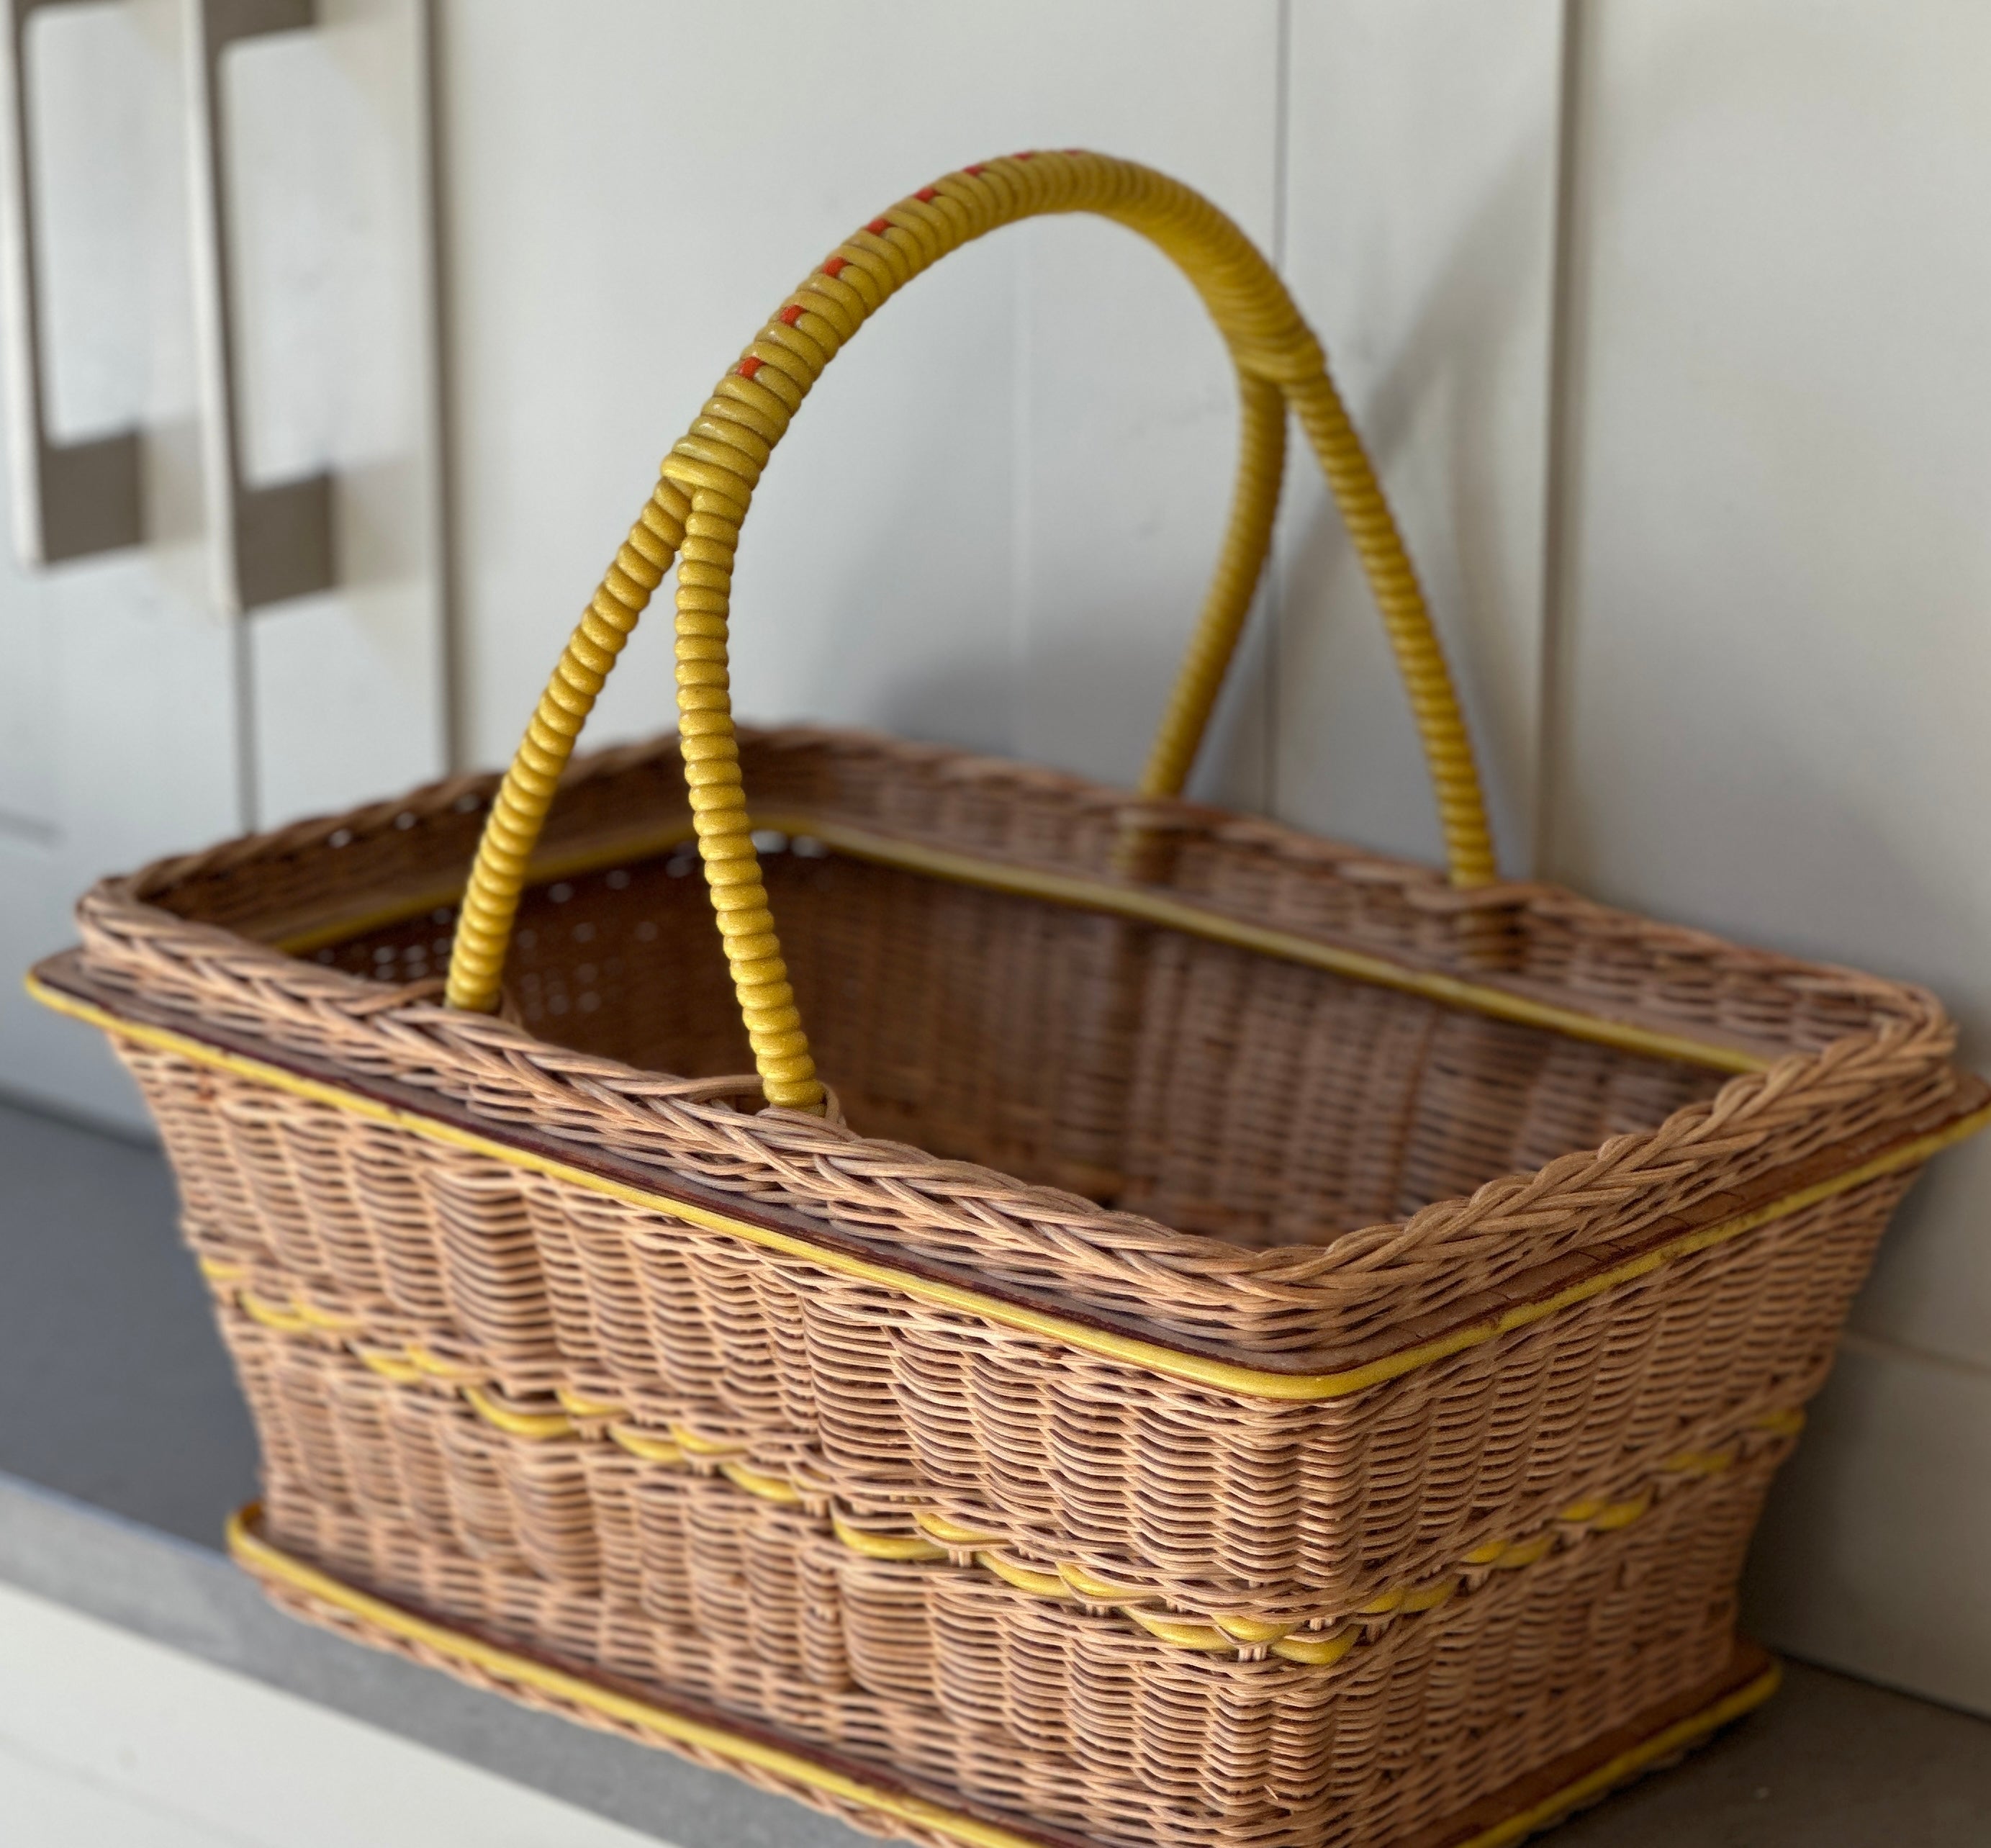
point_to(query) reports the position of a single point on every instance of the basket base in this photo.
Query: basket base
(882, 1803)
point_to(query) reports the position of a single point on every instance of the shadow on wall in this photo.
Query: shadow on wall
(1448, 398)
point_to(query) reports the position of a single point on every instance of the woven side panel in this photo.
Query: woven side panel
(1074, 1719)
(1224, 1500)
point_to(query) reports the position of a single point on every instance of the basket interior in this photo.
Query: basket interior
(1220, 1090)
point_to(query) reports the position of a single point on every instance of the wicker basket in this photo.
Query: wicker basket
(1306, 1368)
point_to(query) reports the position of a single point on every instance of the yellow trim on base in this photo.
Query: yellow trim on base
(250, 1549)
(1130, 1350)
(1629, 1764)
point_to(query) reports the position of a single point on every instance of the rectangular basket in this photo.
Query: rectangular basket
(1263, 1344)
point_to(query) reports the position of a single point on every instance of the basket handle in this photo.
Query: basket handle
(707, 481)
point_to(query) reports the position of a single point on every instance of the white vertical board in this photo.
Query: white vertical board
(634, 187)
(143, 724)
(1776, 654)
(329, 204)
(1008, 488)
(1870, 1556)
(1420, 240)
(1780, 566)
(120, 695)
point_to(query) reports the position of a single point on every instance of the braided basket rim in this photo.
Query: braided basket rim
(502, 1072)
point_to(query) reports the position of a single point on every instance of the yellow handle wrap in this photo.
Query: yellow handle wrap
(708, 483)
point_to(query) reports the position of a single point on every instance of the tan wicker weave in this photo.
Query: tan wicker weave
(1080, 1720)
(1261, 1344)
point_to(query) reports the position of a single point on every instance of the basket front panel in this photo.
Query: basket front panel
(1075, 1719)
(527, 1287)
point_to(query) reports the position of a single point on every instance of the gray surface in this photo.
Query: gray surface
(1829, 1762)
(190, 1598)
(113, 1386)
(114, 1391)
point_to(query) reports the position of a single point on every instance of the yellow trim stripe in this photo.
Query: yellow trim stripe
(1296, 1640)
(1629, 1764)
(250, 1549)
(1130, 1350)
(1141, 904)
(1144, 905)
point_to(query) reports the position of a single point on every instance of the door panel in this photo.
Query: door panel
(140, 719)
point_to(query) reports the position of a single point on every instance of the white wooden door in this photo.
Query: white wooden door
(138, 715)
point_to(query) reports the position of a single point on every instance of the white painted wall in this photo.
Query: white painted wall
(1774, 653)
(1701, 503)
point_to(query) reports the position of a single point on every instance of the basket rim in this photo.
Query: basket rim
(60, 983)
(1109, 1263)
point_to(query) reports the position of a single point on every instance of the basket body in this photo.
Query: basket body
(1254, 1365)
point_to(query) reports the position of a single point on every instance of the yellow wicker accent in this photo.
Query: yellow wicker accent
(886, 1801)
(583, 1408)
(1317, 1649)
(708, 480)
(331, 1321)
(694, 1445)
(1033, 1579)
(453, 1372)
(535, 1425)
(284, 1320)
(768, 1488)
(1096, 1590)
(886, 1546)
(389, 1366)
(1178, 1632)
(1064, 1581)
(953, 1536)
(640, 1443)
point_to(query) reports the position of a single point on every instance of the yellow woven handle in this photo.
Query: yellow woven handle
(707, 482)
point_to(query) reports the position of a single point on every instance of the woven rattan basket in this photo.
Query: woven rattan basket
(1263, 1344)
